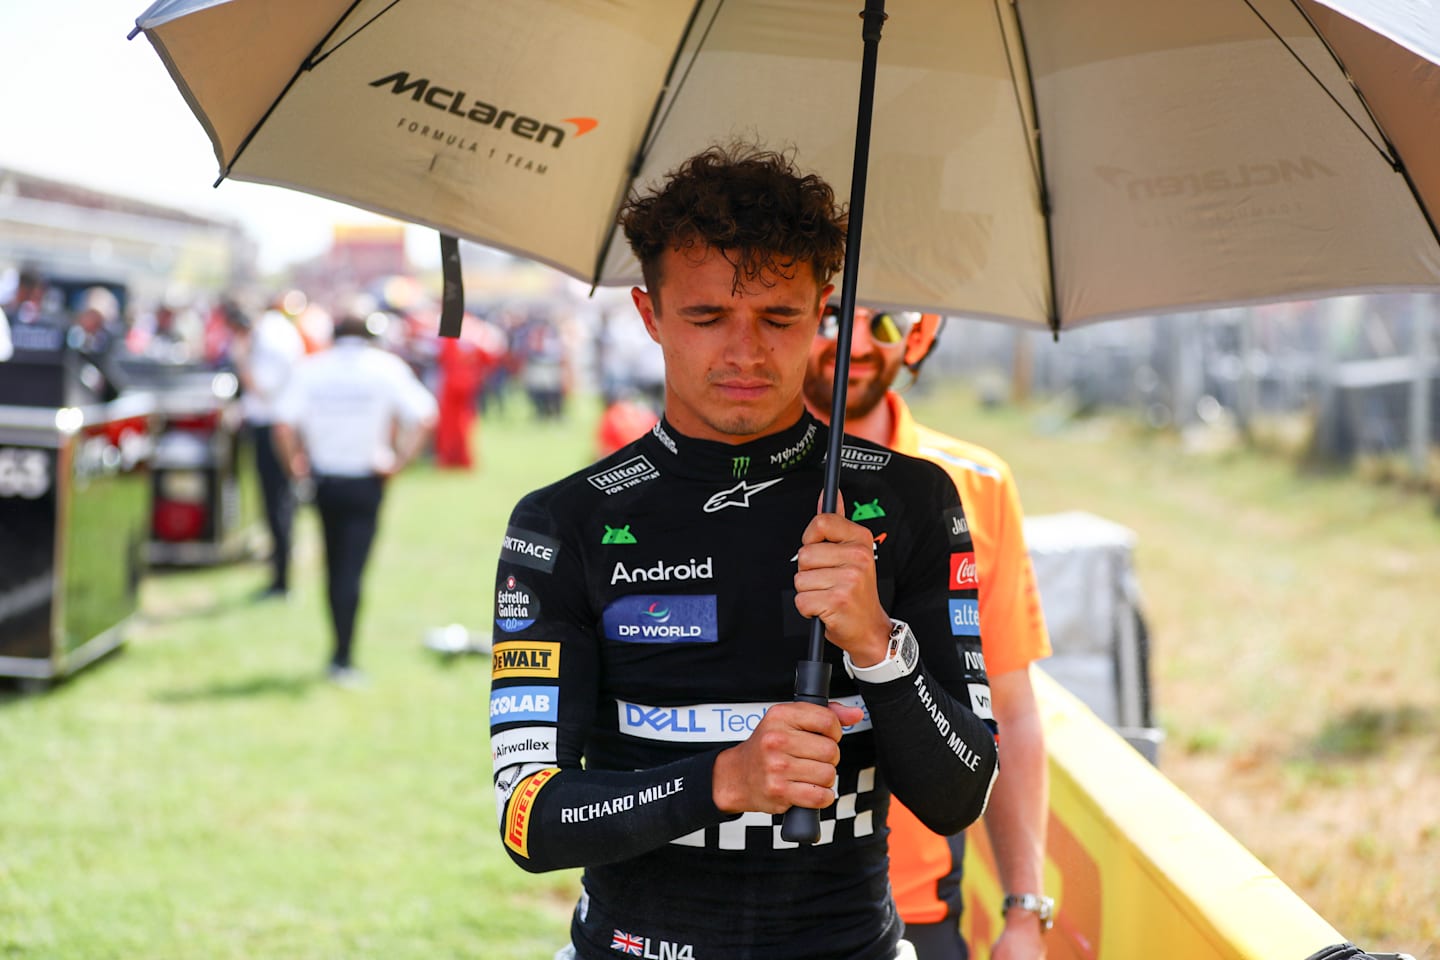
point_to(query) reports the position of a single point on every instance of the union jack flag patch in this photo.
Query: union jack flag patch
(625, 943)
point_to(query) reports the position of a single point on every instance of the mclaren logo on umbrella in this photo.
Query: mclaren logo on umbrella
(460, 104)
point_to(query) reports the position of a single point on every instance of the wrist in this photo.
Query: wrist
(1028, 907)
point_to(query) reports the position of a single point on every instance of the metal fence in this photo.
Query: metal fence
(1362, 369)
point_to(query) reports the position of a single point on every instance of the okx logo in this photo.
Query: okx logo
(618, 534)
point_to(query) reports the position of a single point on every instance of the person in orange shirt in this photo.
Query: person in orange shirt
(925, 868)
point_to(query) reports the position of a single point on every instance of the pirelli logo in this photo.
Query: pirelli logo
(522, 803)
(529, 659)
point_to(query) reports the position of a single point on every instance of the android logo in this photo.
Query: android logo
(618, 534)
(868, 511)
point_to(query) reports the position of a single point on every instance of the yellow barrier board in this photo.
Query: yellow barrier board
(1138, 871)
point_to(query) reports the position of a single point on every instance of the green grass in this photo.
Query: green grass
(204, 794)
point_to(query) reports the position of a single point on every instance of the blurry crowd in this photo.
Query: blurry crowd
(536, 353)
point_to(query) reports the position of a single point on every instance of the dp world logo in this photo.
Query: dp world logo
(672, 618)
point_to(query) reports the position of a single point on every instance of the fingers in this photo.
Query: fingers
(788, 761)
(835, 581)
(848, 716)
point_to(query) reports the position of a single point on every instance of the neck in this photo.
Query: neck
(876, 425)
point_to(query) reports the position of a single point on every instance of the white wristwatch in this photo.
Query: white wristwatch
(900, 657)
(1042, 906)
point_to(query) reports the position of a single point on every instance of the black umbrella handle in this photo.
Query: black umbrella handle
(812, 675)
(812, 685)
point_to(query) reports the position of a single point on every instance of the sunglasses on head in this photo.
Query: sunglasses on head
(886, 327)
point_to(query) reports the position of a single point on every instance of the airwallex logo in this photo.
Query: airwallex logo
(662, 619)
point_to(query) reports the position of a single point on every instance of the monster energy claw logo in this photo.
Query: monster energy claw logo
(739, 466)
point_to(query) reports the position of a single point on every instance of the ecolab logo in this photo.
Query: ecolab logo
(458, 103)
(964, 575)
(661, 571)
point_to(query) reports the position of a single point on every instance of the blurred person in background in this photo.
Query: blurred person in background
(460, 367)
(264, 356)
(545, 373)
(350, 417)
(95, 331)
(626, 418)
(925, 868)
(25, 302)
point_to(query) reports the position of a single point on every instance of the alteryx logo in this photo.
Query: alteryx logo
(965, 618)
(460, 104)
(685, 618)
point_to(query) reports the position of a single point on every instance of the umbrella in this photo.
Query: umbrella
(1041, 162)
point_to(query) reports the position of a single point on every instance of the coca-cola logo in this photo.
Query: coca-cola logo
(964, 575)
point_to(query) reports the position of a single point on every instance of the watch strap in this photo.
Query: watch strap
(901, 657)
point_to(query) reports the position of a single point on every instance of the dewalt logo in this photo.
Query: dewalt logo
(533, 658)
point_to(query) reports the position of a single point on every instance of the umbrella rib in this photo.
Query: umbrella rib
(1032, 139)
(313, 61)
(1036, 147)
(657, 125)
(304, 66)
(646, 138)
(1391, 158)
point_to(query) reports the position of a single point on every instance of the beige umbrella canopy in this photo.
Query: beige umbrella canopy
(1045, 162)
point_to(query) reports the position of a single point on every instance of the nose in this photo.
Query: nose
(747, 347)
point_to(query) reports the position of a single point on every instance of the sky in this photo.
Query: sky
(82, 104)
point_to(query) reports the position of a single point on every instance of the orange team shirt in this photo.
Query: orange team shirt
(1012, 628)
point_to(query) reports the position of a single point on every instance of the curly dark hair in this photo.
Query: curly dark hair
(752, 205)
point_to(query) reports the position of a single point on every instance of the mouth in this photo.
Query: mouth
(742, 389)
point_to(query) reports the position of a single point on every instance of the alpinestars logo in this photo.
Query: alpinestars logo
(738, 495)
(459, 103)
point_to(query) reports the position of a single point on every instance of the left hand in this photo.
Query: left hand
(836, 582)
(1022, 939)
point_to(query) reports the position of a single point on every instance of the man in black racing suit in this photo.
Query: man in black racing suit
(650, 611)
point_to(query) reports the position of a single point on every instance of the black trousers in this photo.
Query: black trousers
(349, 514)
(279, 501)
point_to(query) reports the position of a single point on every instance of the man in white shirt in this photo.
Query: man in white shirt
(264, 357)
(350, 417)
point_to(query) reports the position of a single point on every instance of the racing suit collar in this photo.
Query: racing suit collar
(771, 456)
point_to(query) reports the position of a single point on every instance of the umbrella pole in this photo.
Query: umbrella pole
(812, 675)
